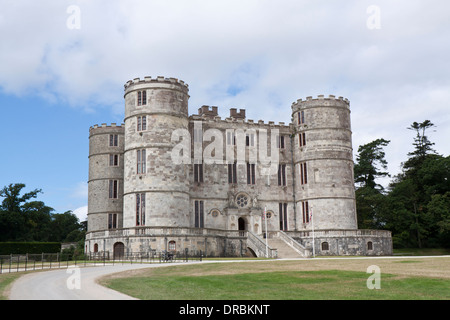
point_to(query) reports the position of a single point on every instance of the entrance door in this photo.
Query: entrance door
(119, 250)
(241, 226)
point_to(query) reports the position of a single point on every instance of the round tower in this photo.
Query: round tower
(323, 161)
(105, 185)
(156, 191)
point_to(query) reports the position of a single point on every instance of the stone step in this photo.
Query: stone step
(284, 250)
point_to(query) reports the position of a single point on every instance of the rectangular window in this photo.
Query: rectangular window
(283, 216)
(305, 210)
(198, 214)
(141, 123)
(113, 160)
(113, 140)
(112, 221)
(280, 142)
(302, 139)
(301, 117)
(113, 189)
(281, 174)
(198, 172)
(232, 173)
(250, 139)
(140, 209)
(142, 98)
(141, 161)
(250, 173)
(303, 173)
(231, 138)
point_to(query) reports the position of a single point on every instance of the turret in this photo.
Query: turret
(105, 185)
(323, 163)
(156, 191)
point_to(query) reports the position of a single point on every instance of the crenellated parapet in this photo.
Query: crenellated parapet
(154, 82)
(321, 101)
(104, 125)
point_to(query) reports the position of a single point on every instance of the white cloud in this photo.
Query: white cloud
(258, 55)
(81, 213)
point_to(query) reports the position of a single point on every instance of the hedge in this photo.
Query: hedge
(29, 247)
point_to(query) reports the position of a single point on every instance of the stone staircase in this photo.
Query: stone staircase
(284, 250)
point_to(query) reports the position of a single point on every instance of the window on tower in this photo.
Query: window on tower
(141, 165)
(303, 173)
(113, 160)
(301, 117)
(142, 98)
(140, 209)
(141, 123)
(113, 189)
(113, 140)
(302, 139)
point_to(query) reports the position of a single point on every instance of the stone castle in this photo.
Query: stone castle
(167, 180)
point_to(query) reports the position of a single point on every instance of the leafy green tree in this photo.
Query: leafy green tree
(370, 199)
(24, 220)
(416, 201)
(370, 156)
(12, 200)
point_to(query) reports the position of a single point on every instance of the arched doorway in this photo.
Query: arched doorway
(119, 250)
(241, 226)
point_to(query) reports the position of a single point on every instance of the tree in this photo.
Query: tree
(12, 201)
(25, 220)
(370, 156)
(417, 206)
(423, 146)
(369, 196)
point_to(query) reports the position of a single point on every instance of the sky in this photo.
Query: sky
(63, 65)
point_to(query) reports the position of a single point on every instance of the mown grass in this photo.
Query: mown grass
(5, 280)
(174, 283)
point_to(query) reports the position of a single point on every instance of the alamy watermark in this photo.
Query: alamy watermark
(74, 19)
(226, 147)
(374, 20)
(374, 281)
(73, 282)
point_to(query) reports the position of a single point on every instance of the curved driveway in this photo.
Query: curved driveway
(71, 284)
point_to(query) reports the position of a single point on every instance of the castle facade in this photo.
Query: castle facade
(167, 180)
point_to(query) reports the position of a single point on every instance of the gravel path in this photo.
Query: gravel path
(71, 284)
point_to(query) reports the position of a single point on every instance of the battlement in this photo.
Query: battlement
(158, 79)
(321, 97)
(237, 115)
(207, 111)
(104, 126)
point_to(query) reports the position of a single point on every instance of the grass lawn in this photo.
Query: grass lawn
(283, 280)
(5, 280)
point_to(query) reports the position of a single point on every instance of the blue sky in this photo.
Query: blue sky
(62, 71)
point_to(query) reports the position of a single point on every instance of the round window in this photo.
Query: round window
(215, 213)
(242, 200)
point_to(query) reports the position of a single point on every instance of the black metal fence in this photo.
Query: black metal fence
(28, 262)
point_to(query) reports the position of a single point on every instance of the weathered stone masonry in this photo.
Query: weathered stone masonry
(140, 199)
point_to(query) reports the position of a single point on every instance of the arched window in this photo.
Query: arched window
(369, 245)
(325, 246)
(95, 247)
(172, 245)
